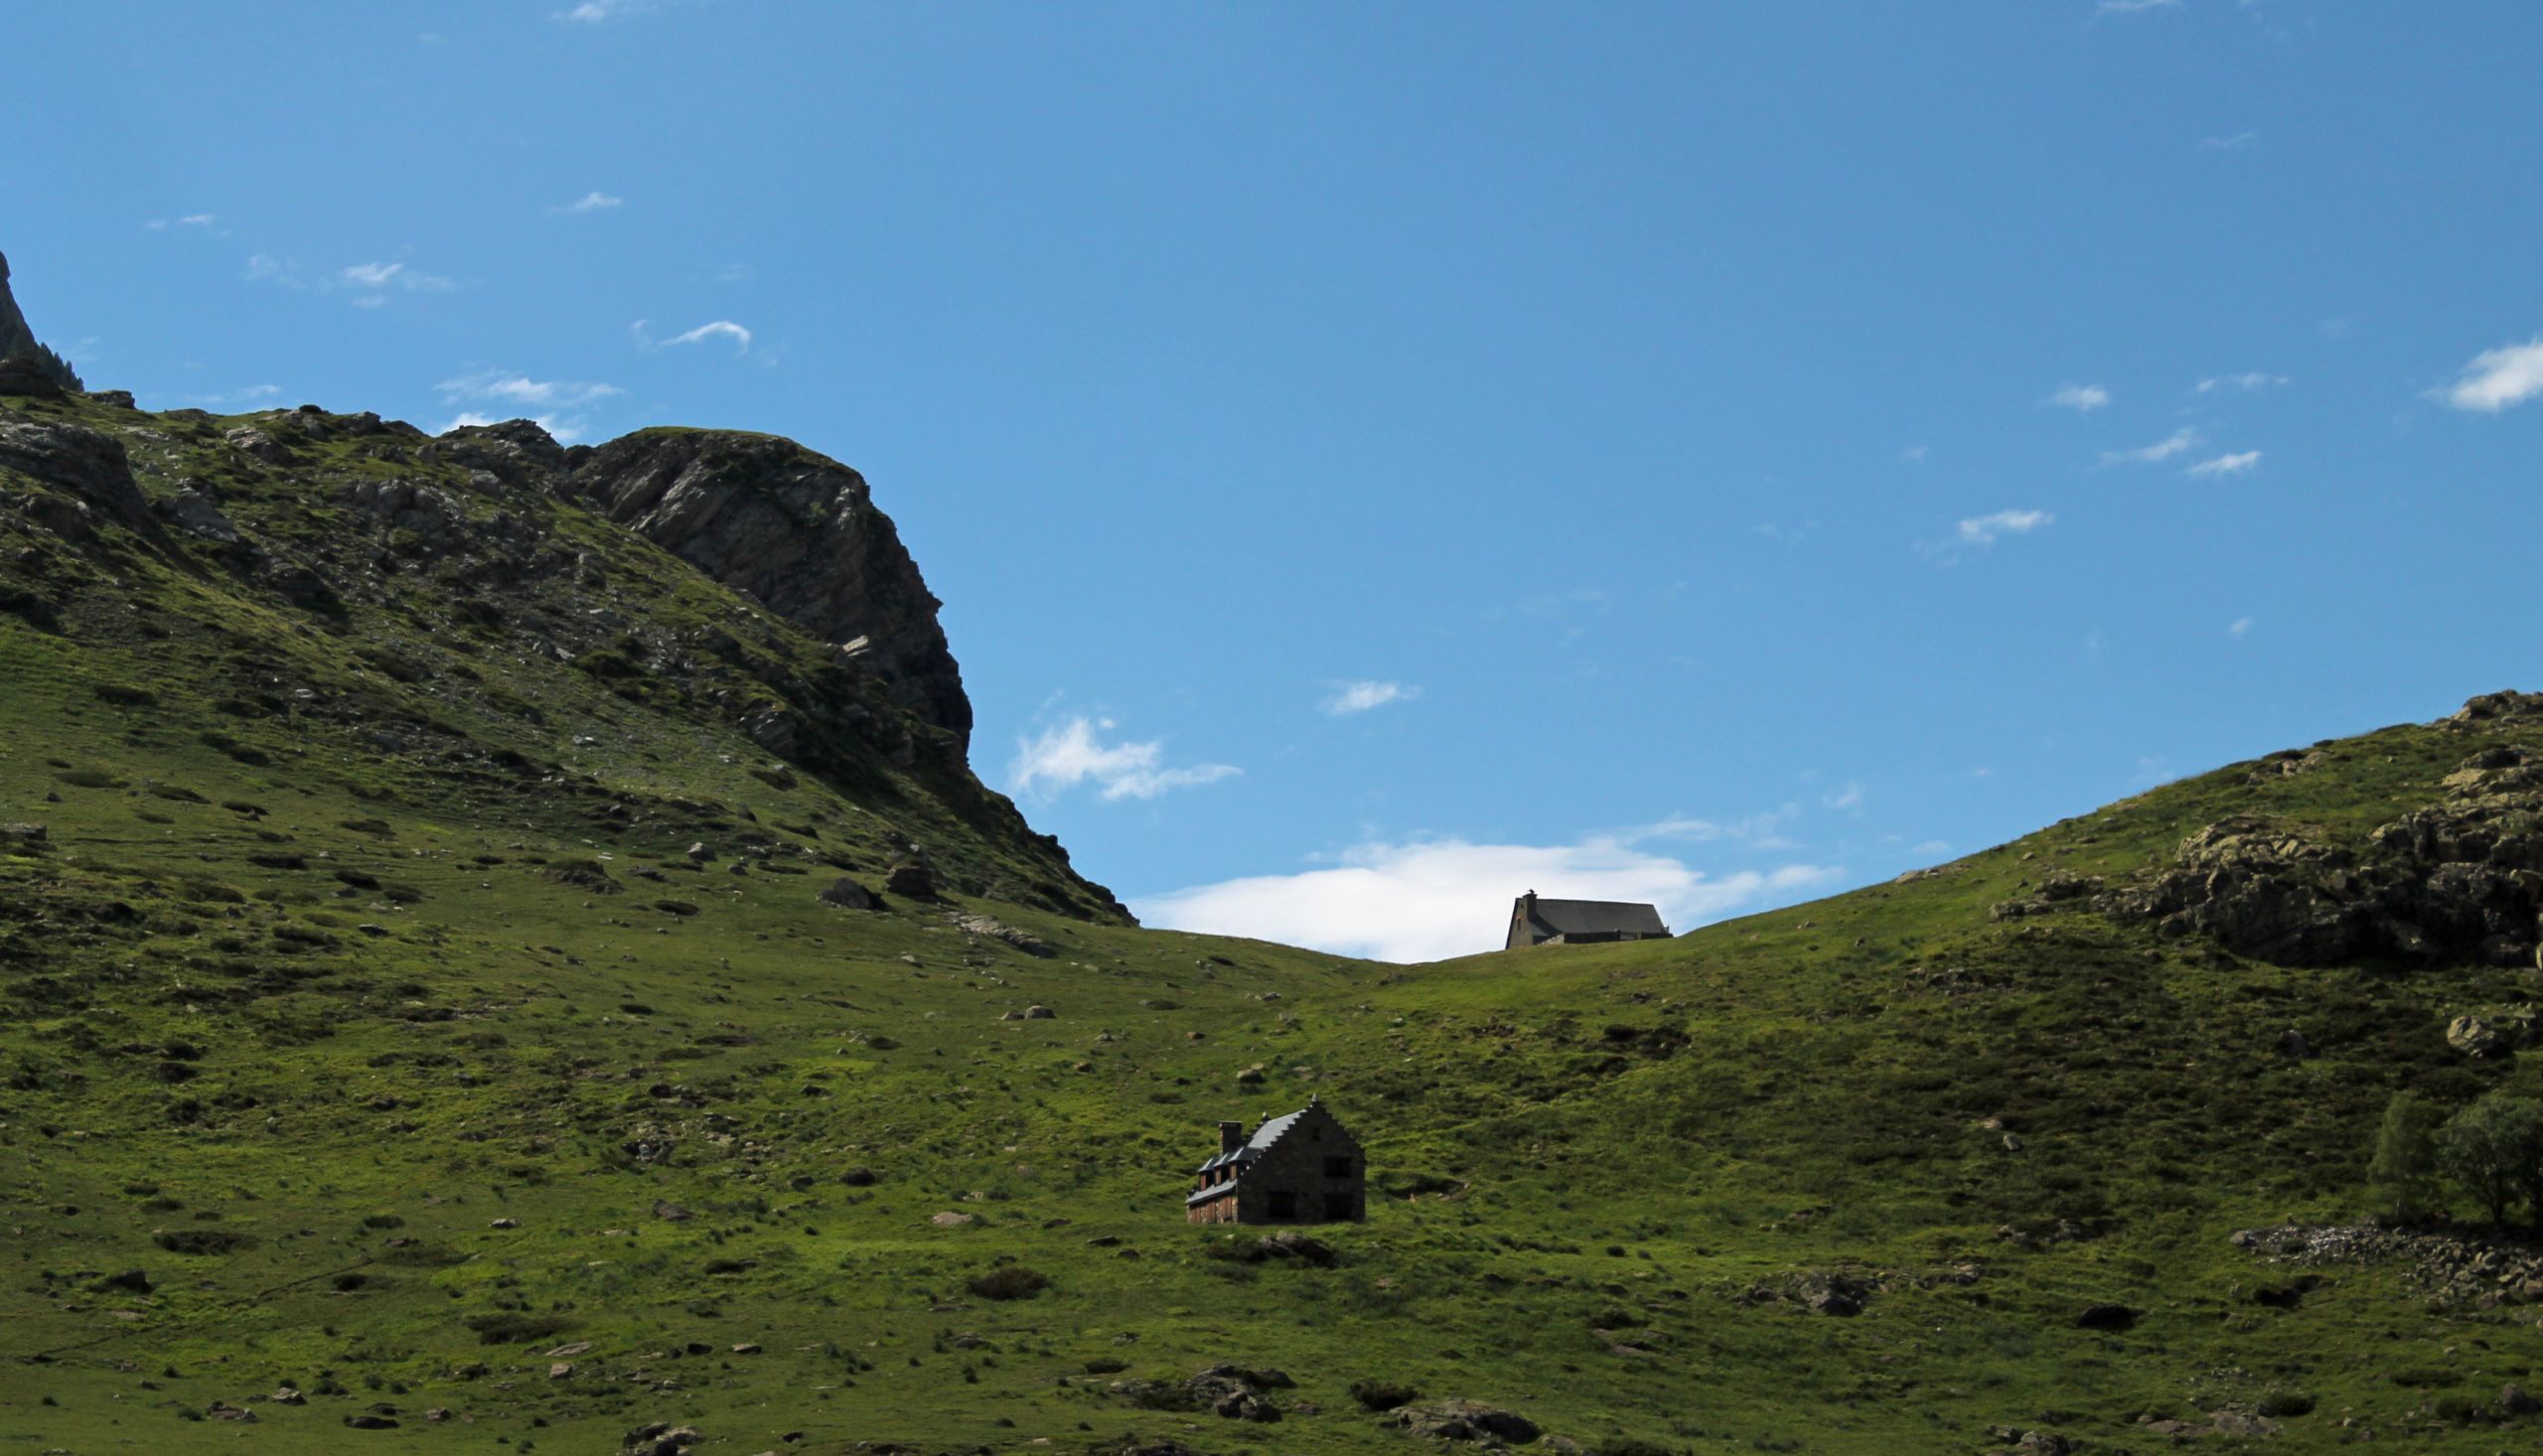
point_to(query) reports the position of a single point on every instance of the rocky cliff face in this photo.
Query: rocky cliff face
(795, 530)
(14, 332)
(18, 341)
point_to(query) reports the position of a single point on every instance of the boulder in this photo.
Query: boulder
(911, 881)
(2473, 1036)
(1459, 1419)
(846, 894)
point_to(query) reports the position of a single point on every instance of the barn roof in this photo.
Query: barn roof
(1597, 917)
(1262, 1138)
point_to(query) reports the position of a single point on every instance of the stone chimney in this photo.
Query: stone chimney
(1231, 1137)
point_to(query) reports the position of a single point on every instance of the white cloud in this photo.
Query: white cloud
(2224, 465)
(1434, 899)
(600, 12)
(2241, 141)
(591, 201)
(266, 268)
(1931, 847)
(1765, 830)
(249, 394)
(2165, 449)
(512, 389)
(2249, 382)
(2499, 378)
(198, 219)
(374, 281)
(2133, 7)
(1072, 754)
(1914, 453)
(720, 329)
(2239, 627)
(1359, 697)
(2082, 398)
(1982, 531)
(1849, 796)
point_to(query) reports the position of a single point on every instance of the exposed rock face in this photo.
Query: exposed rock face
(799, 532)
(2460, 879)
(88, 463)
(14, 332)
(18, 341)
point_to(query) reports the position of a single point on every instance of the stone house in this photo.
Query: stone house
(1535, 922)
(1304, 1168)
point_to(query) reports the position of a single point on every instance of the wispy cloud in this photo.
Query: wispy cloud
(2241, 141)
(2239, 627)
(2249, 383)
(1914, 453)
(2081, 398)
(375, 278)
(2133, 7)
(591, 201)
(2224, 465)
(251, 394)
(1849, 796)
(1433, 899)
(2175, 443)
(553, 404)
(512, 389)
(2496, 378)
(1074, 753)
(601, 12)
(1360, 697)
(720, 329)
(1983, 530)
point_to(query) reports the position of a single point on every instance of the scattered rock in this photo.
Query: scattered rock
(911, 881)
(1289, 1244)
(2472, 1036)
(1465, 1420)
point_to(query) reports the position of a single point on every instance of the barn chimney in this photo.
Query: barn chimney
(1231, 1137)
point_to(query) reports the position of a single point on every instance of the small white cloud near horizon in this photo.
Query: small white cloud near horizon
(2498, 377)
(248, 394)
(548, 401)
(1429, 899)
(1071, 754)
(513, 388)
(2162, 450)
(2081, 398)
(591, 201)
(2224, 465)
(720, 329)
(1360, 697)
(2251, 383)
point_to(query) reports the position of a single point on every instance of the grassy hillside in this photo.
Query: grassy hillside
(393, 1039)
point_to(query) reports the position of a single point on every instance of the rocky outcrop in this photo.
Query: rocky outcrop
(2461, 879)
(797, 530)
(18, 345)
(88, 464)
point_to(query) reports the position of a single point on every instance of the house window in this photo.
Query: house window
(1339, 1167)
(1281, 1206)
(1339, 1206)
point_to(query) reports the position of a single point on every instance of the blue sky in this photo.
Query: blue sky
(1379, 459)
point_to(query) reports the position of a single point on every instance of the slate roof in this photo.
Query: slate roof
(1264, 1136)
(1599, 918)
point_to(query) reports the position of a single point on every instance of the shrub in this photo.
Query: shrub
(1382, 1394)
(2495, 1150)
(1010, 1281)
(2403, 1179)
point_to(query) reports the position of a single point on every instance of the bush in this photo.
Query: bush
(515, 1329)
(2277, 1405)
(1382, 1394)
(2495, 1150)
(1010, 1281)
(2404, 1176)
